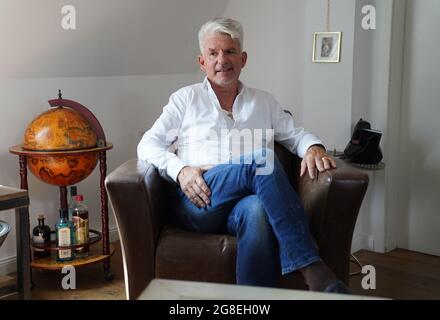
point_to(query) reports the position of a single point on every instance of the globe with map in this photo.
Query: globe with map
(59, 143)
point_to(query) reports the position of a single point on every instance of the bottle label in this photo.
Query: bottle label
(81, 230)
(64, 240)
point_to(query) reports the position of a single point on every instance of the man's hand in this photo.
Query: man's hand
(194, 186)
(316, 158)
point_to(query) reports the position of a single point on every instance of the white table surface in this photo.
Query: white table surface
(162, 289)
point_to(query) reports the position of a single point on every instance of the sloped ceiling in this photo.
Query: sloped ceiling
(113, 37)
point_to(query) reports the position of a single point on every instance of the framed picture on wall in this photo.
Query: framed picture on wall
(327, 47)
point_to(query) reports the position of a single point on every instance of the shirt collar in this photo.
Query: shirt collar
(207, 86)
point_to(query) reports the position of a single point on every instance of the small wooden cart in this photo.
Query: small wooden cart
(100, 150)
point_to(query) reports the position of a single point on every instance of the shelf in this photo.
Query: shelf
(95, 256)
(371, 167)
(368, 167)
(94, 237)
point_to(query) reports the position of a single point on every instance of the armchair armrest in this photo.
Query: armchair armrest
(332, 203)
(133, 190)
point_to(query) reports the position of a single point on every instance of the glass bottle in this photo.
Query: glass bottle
(41, 236)
(65, 237)
(73, 193)
(80, 218)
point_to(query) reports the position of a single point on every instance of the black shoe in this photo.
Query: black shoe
(337, 287)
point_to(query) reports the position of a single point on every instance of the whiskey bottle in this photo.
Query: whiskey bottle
(80, 218)
(41, 237)
(65, 237)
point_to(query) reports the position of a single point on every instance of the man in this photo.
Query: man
(222, 191)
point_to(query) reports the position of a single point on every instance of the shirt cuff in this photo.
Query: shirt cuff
(306, 142)
(174, 166)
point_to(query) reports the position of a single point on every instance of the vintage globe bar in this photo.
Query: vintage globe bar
(62, 146)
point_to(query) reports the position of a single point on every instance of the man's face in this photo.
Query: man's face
(222, 59)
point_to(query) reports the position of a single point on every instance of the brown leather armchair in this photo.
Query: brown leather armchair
(154, 247)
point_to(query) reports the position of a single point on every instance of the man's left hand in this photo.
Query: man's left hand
(316, 159)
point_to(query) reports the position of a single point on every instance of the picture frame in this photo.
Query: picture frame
(327, 47)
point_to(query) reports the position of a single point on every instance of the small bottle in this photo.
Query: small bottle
(65, 236)
(41, 236)
(73, 193)
(80, 218)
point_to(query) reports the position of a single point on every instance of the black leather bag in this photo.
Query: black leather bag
(363, 148)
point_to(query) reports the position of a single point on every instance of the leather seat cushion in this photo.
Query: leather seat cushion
(188, 255)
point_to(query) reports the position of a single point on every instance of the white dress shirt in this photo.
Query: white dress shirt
(194, 130)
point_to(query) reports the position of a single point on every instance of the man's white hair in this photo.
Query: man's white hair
(221, 25)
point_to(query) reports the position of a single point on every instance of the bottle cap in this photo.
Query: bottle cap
(79, 197)
(40, 216)
(73, 191)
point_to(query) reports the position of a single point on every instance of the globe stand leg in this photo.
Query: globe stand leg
(22, 161)
(104, 215)
(108, 275)
(23, 172)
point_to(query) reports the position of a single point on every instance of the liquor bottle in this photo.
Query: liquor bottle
(80, 218)
(65, 236)
(73, 193)
(41, 236)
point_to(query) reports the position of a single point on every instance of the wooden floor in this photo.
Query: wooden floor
(401, 274)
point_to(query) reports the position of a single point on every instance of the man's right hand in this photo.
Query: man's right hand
(194, 186)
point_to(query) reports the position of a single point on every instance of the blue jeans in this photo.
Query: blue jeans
(262, 210)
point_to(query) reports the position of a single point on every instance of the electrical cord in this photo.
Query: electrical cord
(360, 265)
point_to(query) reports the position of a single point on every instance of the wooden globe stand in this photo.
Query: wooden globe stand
(100, 150)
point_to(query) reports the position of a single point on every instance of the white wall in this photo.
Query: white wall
(371, 77)
(362, 85)
(274, 42)
(420, 153)
(399, 209)
(394, 221)
(328, 86)
(113, 37)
